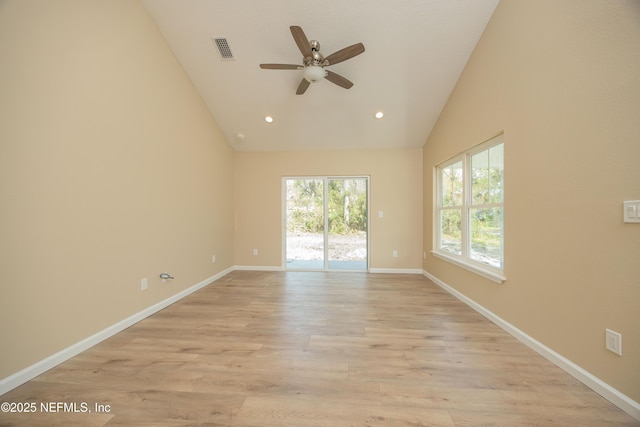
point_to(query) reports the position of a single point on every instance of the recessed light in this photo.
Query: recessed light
(379, 115)
(268, 119)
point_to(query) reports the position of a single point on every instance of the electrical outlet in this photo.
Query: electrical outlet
(255, 252)
(395, 254)
(143, 284)
(614, 342)
(213, 258)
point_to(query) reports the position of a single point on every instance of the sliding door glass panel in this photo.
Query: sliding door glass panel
(305, 222)
(347, 223)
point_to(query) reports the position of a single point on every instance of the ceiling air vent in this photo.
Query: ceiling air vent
(223, 48)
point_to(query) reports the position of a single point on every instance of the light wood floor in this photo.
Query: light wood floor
(315, 349)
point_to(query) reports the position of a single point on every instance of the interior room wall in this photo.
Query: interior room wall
(396, 190)
(561, 79)
(111, 170)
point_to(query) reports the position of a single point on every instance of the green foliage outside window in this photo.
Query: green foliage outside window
(347, 206)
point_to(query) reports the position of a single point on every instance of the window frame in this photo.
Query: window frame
(464, 259)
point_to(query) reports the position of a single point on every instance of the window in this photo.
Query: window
(469, 216)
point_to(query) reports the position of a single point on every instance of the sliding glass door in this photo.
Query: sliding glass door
(326, 223)
(305, 218)
(347, 223)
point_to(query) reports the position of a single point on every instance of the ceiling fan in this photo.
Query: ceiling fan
(314, 63)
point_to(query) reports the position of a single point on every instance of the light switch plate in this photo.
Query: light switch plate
(614, 342)
(632, 211)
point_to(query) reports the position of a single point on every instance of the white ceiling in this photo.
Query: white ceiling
(415, 52)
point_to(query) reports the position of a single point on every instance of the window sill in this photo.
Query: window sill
(484, 272)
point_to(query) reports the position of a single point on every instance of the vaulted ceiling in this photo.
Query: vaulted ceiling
(414, 53)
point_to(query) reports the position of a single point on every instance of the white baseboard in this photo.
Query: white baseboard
(30, 372)
(258, 268)
(371, 270)
(396, 270)
(614, 396)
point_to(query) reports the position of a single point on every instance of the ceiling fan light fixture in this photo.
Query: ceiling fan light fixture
(314, 73)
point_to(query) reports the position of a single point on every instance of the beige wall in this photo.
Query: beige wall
(562, 79)
(395, 185)
(111, 170)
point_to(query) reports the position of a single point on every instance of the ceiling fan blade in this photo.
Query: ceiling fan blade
(302, 87)
(281, 67)
(338, 79)
(301, 40)
(346, 53)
